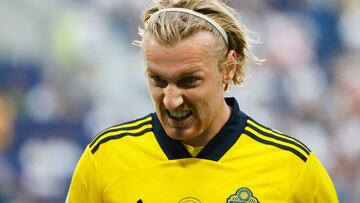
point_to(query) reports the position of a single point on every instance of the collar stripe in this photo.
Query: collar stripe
(278, 134)
(280, 146)
(278, 138)
(114, 137)
(131, 125)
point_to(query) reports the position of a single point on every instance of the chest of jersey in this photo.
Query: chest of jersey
(192, 180)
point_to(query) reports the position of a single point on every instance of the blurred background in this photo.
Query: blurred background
(68, 70)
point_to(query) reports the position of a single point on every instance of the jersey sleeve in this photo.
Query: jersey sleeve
(83, 187)
(313, 185)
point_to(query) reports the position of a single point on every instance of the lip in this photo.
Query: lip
(168, 113)
(178, 123)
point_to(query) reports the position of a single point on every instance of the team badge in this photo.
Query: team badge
(189, 200)
(243, 195)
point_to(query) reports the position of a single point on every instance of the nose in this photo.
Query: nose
(172, 97)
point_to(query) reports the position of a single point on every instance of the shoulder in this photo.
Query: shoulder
(276, 141)
(133, 128)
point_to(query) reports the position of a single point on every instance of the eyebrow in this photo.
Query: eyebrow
(189, 71)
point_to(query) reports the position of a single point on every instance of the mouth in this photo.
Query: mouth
(178, 115)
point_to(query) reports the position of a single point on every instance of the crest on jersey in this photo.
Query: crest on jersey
(243, 195)
(189, 200)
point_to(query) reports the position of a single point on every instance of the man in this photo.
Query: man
(198, 146)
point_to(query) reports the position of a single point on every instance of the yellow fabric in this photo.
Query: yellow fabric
(194, 151)
(135, 169)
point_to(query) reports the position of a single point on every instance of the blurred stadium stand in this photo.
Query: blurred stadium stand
(68, 69)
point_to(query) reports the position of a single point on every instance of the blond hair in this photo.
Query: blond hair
(170, 28)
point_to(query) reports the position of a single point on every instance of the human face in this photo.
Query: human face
(186, 85)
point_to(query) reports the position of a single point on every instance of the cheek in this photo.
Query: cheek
(208, 101)
(209, 92)
(206, 97)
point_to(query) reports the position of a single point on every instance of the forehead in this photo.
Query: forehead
(197, 50)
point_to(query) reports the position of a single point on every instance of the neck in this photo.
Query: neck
(216, 125)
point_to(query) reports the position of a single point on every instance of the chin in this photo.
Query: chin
(181, 134)
(178, 134)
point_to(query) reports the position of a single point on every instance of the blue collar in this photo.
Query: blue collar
(216, 148)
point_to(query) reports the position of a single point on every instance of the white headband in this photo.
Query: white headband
(197, 14)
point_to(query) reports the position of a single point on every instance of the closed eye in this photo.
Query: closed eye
(188, 81)
(158, 81)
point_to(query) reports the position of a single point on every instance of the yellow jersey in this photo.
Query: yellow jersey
(245, 162)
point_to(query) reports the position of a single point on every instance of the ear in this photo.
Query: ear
(230, 67)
